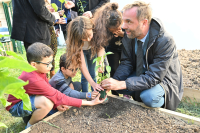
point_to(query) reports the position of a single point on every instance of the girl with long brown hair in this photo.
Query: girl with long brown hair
(80, 30)
(107, 20)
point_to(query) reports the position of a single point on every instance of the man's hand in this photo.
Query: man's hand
(112, 84)
(94, 94)
(69, 5)
(88, 14)
(62, 107)
(57, 32)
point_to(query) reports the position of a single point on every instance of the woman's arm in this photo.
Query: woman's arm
(87, 75)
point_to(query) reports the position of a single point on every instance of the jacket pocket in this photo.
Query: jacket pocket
(41, 30)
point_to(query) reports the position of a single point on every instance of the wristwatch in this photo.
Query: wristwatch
(89, 94)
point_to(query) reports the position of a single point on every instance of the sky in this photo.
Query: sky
(180, 18)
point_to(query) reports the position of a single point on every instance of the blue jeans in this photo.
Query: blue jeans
(18, 111)
(91, 68)
(153, 97)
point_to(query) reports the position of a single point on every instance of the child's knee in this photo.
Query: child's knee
(44, 102)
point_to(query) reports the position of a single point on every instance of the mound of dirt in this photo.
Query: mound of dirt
(190, 64)
(115, 116)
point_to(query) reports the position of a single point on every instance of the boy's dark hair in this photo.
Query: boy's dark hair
(37, 51)
(63, 61)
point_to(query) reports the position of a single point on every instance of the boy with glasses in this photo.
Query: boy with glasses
(62, 81)
(43, 97)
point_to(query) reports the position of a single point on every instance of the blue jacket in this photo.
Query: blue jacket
(67, 13)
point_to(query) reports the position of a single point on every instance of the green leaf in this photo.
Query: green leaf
(109, 53)
(108, 69)
(64, 16)
(4, 72)
(100, 74)
(97, 67)
(107, 75)
(55, 7)
(14, 86)
(62, 1)
(14, 55)
(13, 63)
(3, 125)
(1, 35)
(4, 101)
(97, 59)
(1, 44)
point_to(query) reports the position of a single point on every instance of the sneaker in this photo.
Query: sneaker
(127, 96)
(106, 101)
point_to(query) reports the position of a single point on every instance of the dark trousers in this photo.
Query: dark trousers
(26, 45)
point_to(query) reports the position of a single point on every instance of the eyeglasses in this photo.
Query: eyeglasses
(73, 69)
(48, 64)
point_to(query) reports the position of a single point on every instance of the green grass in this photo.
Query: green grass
(189, 106)
(15, 125)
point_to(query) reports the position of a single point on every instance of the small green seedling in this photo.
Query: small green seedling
(81, 8)
(101, 76)
(55, 7)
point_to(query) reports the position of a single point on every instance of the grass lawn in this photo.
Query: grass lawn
(15, 125)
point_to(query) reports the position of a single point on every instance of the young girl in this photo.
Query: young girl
(80, 31)
(107, 20)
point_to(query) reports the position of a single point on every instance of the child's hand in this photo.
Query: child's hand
(62, 21)
(62, 107)
(94, 94)
(96, 87)
(119, 33)
(61, 12)
(69, 4)
(88, 14)
(97, 100)
(100, 70)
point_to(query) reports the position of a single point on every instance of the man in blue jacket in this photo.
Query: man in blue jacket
(149, 70)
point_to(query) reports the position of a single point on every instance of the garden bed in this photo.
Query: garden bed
(118, 115)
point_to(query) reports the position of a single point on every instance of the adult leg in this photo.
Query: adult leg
(44, 106)
(153, 97)
(26, 45)
(65, 35)
(53, 45)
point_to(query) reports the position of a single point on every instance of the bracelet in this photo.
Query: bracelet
(89, 94)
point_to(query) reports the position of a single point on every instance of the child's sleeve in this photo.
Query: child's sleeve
(63, 87)
(44, 88)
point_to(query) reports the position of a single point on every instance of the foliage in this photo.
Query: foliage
(12, 85)
(101, 76)
(55, 7)
(100, 60)
(80, 7)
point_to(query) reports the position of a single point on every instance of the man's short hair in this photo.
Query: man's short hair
(37, 51)
(63, 61)
(144, 10)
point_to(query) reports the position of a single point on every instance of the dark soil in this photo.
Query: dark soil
(190, 64)
(115, 116)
